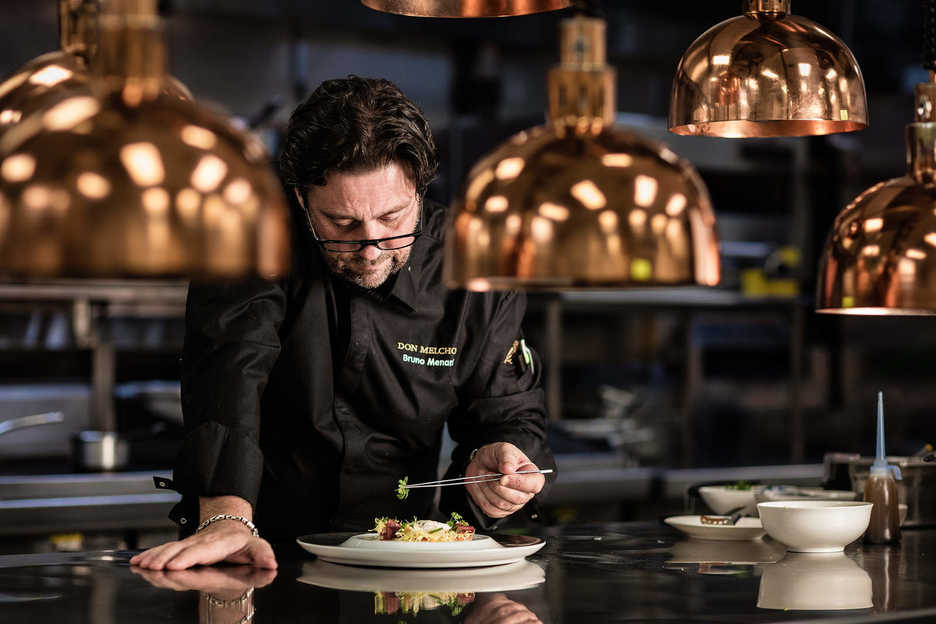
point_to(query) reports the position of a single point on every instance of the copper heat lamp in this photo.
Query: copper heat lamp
(53, 76)
(126, 180)
(767, 73)
(880, 258)
(465, 8)
(579, 202)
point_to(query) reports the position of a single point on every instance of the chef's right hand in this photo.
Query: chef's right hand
(228, 541)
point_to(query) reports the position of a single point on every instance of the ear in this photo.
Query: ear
(299, 197)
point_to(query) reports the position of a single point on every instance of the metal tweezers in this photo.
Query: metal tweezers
(494, 476)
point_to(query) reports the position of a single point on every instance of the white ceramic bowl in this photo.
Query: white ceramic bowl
(815, 526)
(814, 582)
(721, 499)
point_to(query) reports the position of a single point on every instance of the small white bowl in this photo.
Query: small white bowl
(721, 498)
(815, 526)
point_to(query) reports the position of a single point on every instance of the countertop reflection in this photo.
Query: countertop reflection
(613, 572)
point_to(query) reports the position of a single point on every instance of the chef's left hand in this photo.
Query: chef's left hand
(499, 499)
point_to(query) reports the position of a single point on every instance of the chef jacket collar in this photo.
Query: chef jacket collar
(405, 287)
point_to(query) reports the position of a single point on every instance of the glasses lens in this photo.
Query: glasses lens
(342, 247)
(396, 243)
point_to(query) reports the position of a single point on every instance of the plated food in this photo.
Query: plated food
(369, 550)
(455, 530)
(723, 498)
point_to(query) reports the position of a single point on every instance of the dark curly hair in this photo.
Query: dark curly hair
(357, 124)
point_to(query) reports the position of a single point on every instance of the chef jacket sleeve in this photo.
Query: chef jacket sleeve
(231, 345)
(502, 401)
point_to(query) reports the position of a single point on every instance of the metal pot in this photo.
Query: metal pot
(96, 451)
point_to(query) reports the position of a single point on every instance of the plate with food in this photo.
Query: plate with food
(723, 498)
(745, 529)
(772, 493)
(417, 543)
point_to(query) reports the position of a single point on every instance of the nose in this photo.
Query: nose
(370, 253)
(371, 230)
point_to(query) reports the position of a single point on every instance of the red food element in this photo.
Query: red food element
(464, 599)
(464, 531)
(389, 530)
(391, 603)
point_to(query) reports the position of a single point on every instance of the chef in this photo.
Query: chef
(306, 400)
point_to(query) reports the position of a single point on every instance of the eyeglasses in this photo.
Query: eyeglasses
(389, 243)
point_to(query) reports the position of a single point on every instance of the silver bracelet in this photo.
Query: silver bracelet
(236, 602)
(250, 525)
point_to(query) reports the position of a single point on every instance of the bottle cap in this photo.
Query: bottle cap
(880, 466)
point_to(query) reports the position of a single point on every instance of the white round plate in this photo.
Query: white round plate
(367, 550)
(509, 577)
(746, 529)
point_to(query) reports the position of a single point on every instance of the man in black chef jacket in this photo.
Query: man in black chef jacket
(307, 399)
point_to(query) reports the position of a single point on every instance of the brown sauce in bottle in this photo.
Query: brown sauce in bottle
(881, 489)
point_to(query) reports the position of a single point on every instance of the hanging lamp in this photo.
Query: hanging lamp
(56, 75)
(132, 182)
(465, 8)
(580, 203)
(880, 257)
(767, 73)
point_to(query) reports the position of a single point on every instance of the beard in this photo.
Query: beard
(368, 274)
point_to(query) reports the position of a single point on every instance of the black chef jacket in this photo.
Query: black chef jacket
(317, 442)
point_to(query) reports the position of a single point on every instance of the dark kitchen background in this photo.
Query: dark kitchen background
(742, 375)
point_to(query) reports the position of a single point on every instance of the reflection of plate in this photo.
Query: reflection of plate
(733, 553)
(353, 549)
(510, 577)
(814, 582)
(746, 529)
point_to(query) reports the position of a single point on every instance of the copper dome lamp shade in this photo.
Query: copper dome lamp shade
(578, 202)
(767, 73)
(880, 257)
(128, 181)
(62, 70)
(465, 8)
(48, 78)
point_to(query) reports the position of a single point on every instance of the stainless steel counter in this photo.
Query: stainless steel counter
(40, 504)
(618, 572)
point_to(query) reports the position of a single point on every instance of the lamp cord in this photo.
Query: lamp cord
(929, 34)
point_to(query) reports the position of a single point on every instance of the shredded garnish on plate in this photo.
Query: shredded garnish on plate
(411, 603)
(455, 530)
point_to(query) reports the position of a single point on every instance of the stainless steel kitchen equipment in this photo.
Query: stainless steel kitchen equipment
(917, 488)
(99, 450)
